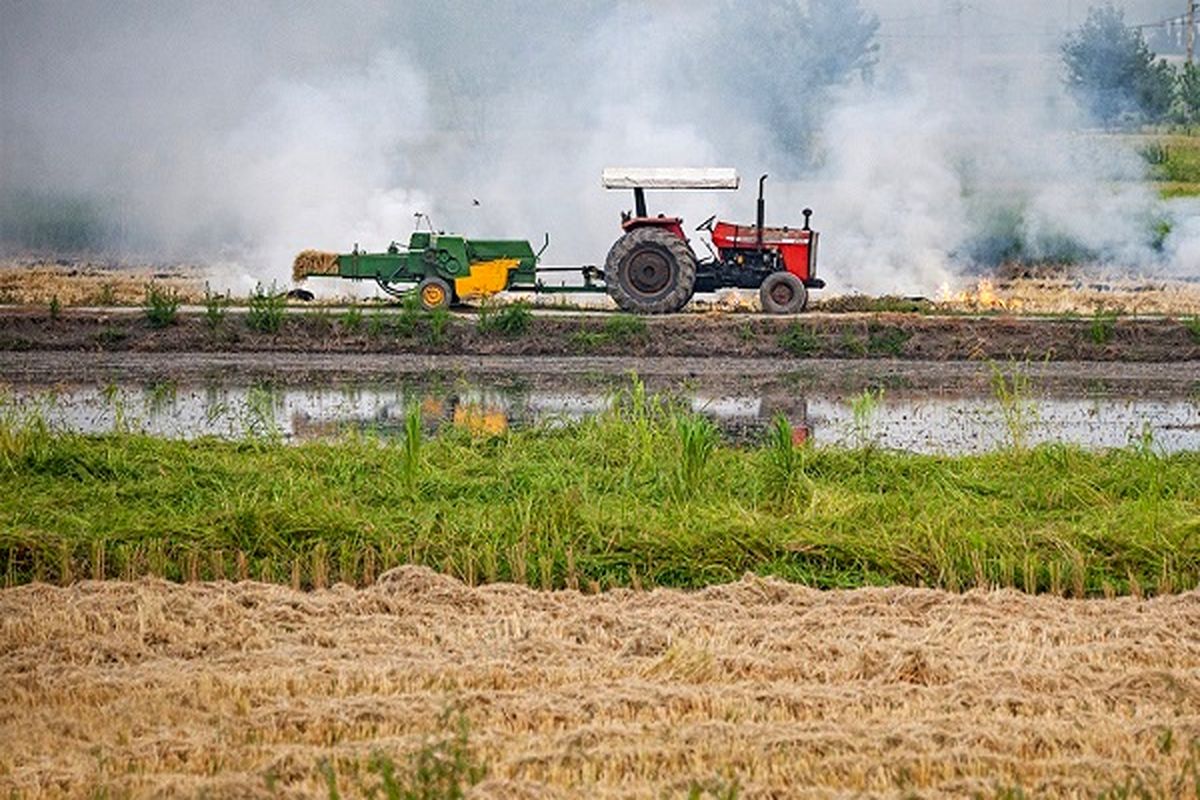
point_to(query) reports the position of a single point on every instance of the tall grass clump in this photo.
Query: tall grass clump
(352, 318)
(799, 340)
(1103, 325)
(161, 306)
(785, 479)
(622, 327)
(266, 310)
(864, 407)
(377, 324)
(438, 323)
(214, 308)
(698, 439)
(1017, 410)
(411, 445)
(259, 417)
(511, 319)
(410, 314)
(1192, 324)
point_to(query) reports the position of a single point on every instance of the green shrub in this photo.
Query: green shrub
(161, 306)
(266, 311)
(698, 438)
(512, 319)
(799, 340)
(1102, 326)
(439, 322)
(409, 316)
(351, 319)
(887, 340)
(214, 308)
(625, 327)
(853, 344)
(1193, 325)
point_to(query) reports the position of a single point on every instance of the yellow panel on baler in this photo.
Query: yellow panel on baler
(486, 278)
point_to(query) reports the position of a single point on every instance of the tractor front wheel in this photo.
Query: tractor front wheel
(783, 293)
(434, 293)
(650, 271)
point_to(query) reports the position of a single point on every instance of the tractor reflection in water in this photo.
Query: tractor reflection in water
(492, 412)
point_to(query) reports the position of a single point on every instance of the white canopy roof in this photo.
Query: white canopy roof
(669, 178)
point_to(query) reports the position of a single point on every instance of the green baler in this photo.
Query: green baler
(443, 268)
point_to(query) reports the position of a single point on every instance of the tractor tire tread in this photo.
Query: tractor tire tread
(685, 271)
(799, 300)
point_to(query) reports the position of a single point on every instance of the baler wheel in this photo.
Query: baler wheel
(783, 293)
(650, 271)
(434, 293)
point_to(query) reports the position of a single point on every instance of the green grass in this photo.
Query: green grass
(799, 340)
(1103, 325)
(1173, 162)
(352, 319)
(512, 319)
(886, 340)
(643, 495)
(1193, 326)
(619, 329)
(266, 310)
(160, 307)
(215, 308)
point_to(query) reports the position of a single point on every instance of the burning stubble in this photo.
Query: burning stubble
(238, 139)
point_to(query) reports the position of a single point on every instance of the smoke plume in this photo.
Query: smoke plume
(235, 135)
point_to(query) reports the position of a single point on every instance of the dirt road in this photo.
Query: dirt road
(241, 690)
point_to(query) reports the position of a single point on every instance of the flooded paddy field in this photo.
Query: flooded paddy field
(291, 618)
(918, 407)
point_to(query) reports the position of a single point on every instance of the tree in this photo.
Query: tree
(1189, 94)
(782, 58)
(1112, 72)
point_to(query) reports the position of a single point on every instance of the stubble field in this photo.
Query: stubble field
(750, 689)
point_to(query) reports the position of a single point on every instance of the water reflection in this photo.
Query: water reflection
(916, 423)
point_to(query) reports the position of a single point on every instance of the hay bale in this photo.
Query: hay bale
(314, 262)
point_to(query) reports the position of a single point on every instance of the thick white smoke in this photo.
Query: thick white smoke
(319, 165)
(238, 136)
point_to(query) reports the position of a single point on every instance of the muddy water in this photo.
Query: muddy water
(914, 421)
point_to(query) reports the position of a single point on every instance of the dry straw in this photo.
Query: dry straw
(93, 286)
(153, 688)
(314, 262)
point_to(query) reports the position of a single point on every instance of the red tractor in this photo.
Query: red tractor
(653, 269)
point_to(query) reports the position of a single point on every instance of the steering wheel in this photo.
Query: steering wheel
(707, 224)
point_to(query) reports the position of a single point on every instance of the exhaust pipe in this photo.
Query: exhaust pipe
(762, 210)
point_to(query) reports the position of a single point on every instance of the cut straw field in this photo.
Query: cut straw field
(753, 689)
(87, 285)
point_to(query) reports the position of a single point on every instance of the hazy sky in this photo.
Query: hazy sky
(242, 132)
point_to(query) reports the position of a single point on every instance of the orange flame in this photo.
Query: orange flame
(981, 297)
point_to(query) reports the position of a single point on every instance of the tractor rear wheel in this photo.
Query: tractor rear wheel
(650, 271)
(434, 293)
(783, 293)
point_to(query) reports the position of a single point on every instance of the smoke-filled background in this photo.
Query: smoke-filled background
(931, 138)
